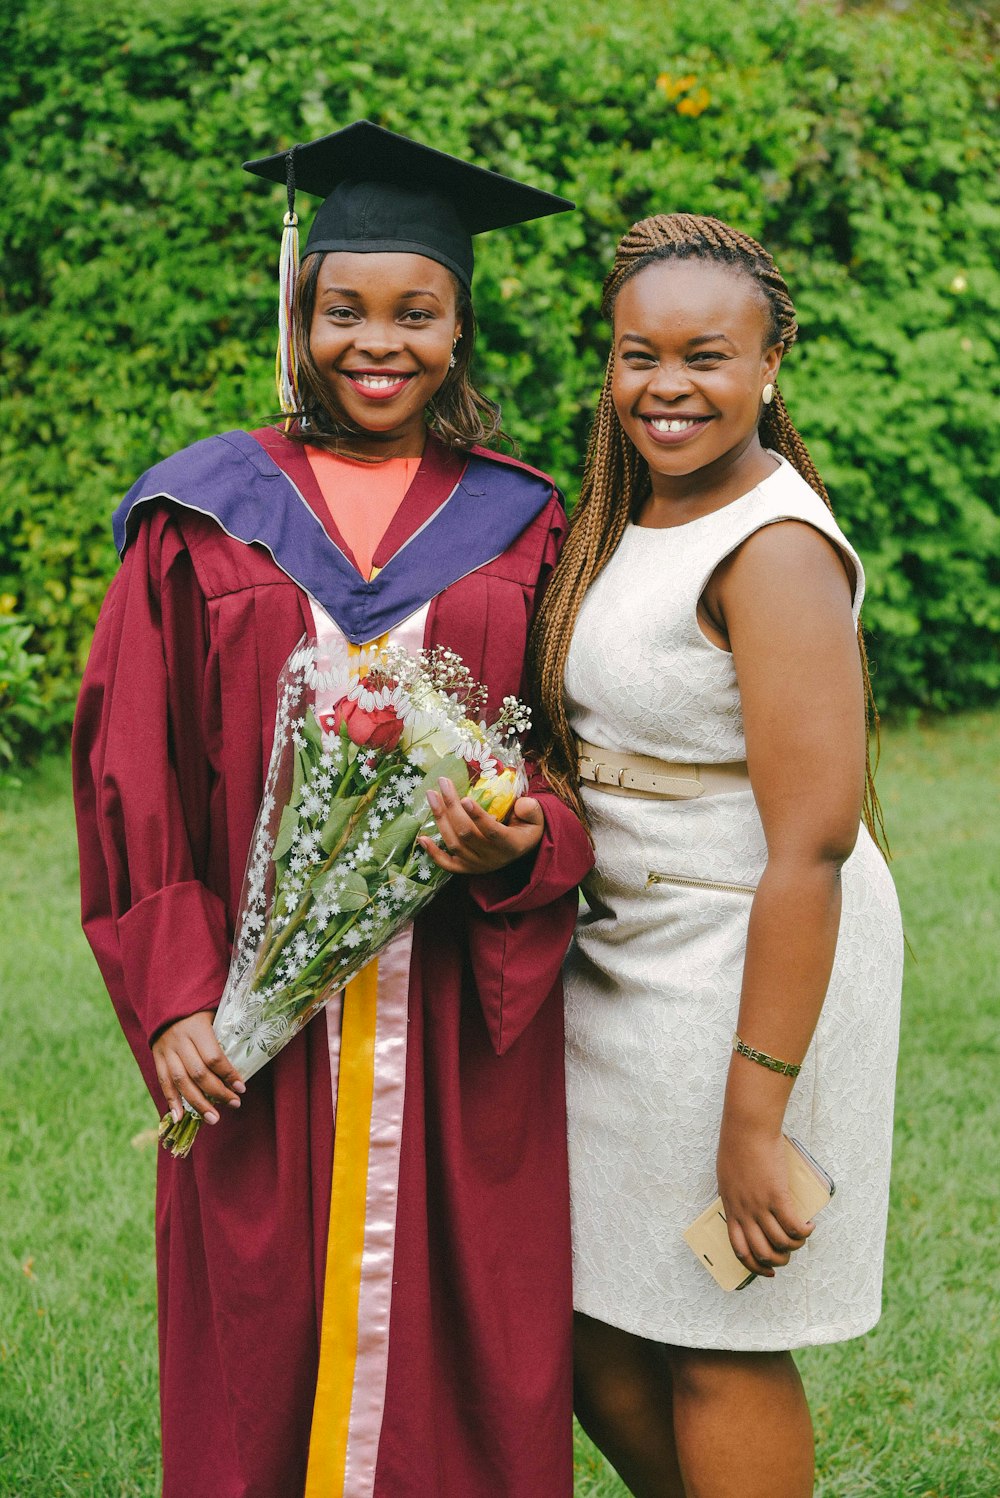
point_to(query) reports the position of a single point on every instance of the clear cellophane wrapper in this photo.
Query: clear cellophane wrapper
(336, 867)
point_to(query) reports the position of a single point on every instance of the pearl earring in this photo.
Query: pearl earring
(767, 394)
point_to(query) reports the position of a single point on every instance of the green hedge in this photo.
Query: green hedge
(138, 260)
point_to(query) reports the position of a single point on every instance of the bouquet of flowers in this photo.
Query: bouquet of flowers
(336, 867)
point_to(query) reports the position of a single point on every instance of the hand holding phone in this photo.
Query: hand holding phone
(708, 1236)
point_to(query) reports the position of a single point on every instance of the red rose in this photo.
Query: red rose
(380, 728)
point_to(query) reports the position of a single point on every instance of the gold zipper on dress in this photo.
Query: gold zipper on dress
(683, 879)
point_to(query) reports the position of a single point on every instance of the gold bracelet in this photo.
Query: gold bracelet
(786, 1068)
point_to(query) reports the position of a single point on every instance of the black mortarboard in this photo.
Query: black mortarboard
(386, 192)
(383, 191)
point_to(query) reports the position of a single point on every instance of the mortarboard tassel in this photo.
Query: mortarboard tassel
(288, 269)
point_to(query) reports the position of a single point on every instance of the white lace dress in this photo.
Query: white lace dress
(653, 980)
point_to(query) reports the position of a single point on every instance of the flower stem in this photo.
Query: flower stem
(177, 1136)
(275, 942)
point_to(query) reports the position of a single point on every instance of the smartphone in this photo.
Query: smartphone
(708, 1236)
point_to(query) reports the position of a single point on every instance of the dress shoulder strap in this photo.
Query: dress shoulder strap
(783, 495)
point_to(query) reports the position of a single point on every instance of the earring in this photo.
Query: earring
(767, 394)
(452, 361)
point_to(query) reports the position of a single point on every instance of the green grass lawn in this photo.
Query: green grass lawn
(908, 1412)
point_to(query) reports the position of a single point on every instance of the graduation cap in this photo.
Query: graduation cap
(384, 191)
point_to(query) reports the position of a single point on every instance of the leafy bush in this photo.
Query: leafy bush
(20, 702)
(138, 299)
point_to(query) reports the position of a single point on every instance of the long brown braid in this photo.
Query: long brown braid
(616, 478)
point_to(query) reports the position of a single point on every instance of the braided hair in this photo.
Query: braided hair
(616, 479)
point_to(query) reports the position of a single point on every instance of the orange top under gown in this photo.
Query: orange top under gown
(362, 498)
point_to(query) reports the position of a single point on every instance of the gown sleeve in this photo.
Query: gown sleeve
(142, 780)
(522, 918)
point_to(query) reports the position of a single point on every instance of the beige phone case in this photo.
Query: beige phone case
(708, 1236)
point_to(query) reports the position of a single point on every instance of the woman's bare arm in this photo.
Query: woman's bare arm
(785, 602)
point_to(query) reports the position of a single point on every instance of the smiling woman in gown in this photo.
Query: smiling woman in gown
(364, 1266)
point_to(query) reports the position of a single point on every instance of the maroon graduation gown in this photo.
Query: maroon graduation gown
(172, 741)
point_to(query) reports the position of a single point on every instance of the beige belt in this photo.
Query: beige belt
(640, 775)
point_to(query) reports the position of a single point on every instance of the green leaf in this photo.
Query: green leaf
(415, 887)
(450, 765)
(312, 730)
(288, 826)
(300, 766)
(341, 812)
(395, 839)
(286, 832)
(354, 895)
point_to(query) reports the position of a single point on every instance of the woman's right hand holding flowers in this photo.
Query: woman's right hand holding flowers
(193, 1068)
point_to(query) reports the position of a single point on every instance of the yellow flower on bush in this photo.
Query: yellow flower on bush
(681, 92)
(695, 104)
(674, 87)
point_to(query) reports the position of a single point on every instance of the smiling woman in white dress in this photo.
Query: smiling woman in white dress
(700, 642)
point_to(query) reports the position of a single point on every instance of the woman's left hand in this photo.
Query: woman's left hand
(475, 842)
(765, 1226)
